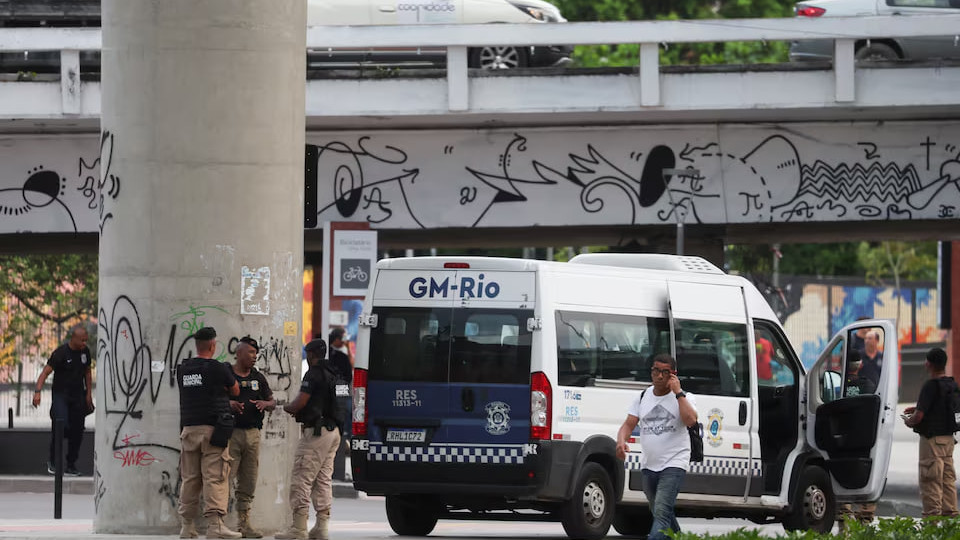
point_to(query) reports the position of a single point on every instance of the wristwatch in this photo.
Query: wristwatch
(681, 394)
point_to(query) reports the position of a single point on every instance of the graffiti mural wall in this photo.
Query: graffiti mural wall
(553, 177)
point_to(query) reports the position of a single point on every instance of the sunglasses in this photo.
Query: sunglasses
(664, 372)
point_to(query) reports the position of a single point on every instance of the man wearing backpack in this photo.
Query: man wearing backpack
(663, 416)
(933, 418)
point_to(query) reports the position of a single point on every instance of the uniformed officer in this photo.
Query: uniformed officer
(248, 408)
(315, 407)
(205, 385)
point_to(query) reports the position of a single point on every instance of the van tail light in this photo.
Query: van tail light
(359, 402)
(540, 405)
(809, 11)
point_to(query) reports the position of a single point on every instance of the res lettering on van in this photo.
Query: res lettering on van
(468, 287)
(406, 398)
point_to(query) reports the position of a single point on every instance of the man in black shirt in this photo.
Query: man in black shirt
(205, 385)
(938, 492)
(72, 395)
(855, 384)
(342, 364)
(315, 407)
(248, 408)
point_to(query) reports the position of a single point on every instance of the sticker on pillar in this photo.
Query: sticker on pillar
(290, 328)
(255, 290)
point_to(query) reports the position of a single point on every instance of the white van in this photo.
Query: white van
(489, 388)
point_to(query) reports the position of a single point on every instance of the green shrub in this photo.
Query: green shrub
(899, 528)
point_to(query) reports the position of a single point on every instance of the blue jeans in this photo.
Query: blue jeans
(661, 488)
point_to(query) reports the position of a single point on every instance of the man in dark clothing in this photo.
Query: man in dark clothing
(342, 364)
(855, 385)
(930, 420)
(255, 398)
(205, 386)
(72, 395)
(872, 356)
(315, 407)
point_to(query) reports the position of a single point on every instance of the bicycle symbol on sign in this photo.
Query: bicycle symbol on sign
(354, 273)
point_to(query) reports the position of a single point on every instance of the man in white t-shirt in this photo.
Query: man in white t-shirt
(663, 412)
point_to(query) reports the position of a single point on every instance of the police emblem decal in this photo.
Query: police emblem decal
(714, 427)
(498, 418)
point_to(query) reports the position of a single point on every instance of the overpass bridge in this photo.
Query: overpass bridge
(781, 152)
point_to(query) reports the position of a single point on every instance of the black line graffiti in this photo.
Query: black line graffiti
(349, 180)
(127, 358)
(99, 489)
(105, 162)
(870, 150)
(37, 202)
(504, 183)
(170, 490)
(765, 183)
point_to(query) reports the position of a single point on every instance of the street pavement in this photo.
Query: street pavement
(26, 507)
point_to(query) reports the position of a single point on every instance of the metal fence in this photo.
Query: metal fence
(24, 361)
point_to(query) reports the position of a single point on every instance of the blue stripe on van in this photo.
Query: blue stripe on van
(723, 466)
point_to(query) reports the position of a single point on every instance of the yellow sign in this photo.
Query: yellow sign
(290, 328)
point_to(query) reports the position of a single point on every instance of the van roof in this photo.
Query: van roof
(636, 261)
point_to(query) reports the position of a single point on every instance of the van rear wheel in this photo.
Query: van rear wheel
(632, 521)
(589, 513)
(410, 515)
(814, 505)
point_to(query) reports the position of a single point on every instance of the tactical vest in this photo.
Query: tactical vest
(202, 395)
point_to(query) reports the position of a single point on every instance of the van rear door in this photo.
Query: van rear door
(449, 367)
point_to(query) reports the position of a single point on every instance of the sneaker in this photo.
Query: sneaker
(71, 470)
(50, 468)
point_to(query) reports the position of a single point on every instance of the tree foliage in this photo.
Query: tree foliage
(43, 289)
(680, 53)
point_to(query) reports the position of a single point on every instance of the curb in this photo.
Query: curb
(83, 485)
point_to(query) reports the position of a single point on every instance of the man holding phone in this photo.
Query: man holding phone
(341, 361)
(663, 416)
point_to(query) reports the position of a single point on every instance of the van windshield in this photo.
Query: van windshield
(451, 345)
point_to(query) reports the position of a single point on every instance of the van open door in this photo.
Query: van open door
(851, 408)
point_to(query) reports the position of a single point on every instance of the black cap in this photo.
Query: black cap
(318, 346)
(206, 333)
(251, 342)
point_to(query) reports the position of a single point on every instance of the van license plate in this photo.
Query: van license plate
(406, 435)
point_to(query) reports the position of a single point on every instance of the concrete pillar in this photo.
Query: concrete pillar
(201, 217)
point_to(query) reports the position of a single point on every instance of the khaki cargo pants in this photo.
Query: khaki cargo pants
(313, 471)
(938, 491)
(245, 453)
(203, 467)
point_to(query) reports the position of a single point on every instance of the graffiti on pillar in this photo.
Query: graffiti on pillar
(100, 186)
(171, 489)
(99, 489)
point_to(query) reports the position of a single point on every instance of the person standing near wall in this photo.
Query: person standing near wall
(342, 364)
(72, 395)
(932, 420)
(205, 386)
(248, 408)
(315, 408)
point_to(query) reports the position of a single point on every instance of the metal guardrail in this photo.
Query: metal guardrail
(844, 31)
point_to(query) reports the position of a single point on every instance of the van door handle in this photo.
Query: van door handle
(466, 399)
(387, 9)
(743, 413)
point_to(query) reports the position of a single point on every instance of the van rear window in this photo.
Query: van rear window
(451, 345)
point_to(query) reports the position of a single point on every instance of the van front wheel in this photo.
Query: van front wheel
(410, 515)
(814, 505)
(588, 514)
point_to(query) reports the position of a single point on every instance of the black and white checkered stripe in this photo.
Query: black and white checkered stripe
(447, 453)
(720, 466)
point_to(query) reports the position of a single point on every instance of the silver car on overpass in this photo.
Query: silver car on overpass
(881, 48)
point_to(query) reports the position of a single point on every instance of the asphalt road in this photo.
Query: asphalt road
(29, 515)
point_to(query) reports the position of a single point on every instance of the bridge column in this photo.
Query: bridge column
(201, 223)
